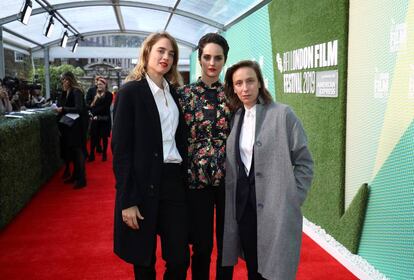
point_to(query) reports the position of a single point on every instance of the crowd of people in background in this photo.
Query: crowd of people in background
(16, 95)
(79, 117)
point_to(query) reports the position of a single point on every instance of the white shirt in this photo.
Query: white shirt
(168, 112)
(247, 134)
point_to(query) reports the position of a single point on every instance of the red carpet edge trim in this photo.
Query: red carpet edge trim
(354, 263)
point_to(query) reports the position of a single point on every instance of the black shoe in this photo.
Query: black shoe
(104, 157)
(80, 184)
(66, 174)
(69, 180)
(91, 157)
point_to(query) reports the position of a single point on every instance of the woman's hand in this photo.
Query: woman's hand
(130, 215)
(59, 109)
(3, 94)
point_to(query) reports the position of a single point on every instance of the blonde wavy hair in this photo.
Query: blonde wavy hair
(138, 73)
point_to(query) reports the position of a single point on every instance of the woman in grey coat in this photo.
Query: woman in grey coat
(269, 170)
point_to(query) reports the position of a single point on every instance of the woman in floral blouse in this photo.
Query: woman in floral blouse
(208, 118)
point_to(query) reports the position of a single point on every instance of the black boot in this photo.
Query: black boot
(69, 180)
(91, 157)
(66, 173)
(80, 184)
(104, 157)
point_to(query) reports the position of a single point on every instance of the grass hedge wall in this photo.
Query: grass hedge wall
(29, 156)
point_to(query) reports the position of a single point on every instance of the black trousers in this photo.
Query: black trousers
(96, 141)
(78, 158)
(201, 211)
(172, 227)
(248, 240)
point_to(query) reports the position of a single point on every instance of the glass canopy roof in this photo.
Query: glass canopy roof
(186, 20)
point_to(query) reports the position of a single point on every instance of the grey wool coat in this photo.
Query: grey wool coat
(283, 173)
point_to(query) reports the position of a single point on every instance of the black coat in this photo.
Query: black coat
(90, 94)
(73, 102)
(137, 162)
(102, 110)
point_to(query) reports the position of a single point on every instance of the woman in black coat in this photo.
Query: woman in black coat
(72, 126)
(100, 115)
(148, 144)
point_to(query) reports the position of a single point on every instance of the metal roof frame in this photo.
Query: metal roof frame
(110, 32)
(117, 4)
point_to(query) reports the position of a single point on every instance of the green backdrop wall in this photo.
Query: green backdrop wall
(380, 130)
(303, 25)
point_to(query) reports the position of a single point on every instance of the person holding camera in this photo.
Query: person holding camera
(36, 99)
(5, 105)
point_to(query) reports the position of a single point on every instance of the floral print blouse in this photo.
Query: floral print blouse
(207, 116)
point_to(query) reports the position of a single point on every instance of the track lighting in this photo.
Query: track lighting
(64, 39)
(49, 27)
(75, 46)
(26, 12)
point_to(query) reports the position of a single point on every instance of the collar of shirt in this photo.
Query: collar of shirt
(250, 112)
(154, 88)
(216, 84)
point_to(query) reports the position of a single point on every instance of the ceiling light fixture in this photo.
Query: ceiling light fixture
(26, 12)
(75, 46)
(64, 39)
(49, 27)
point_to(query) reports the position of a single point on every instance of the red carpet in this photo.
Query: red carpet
(67, 234)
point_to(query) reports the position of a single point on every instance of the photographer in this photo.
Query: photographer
(5, 105)
(11, 85)
(23, 94)
(36, 100)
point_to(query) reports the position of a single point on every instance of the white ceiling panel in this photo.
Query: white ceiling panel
(88, 19)
(144, 19)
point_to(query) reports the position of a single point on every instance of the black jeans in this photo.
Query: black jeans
(201, 212)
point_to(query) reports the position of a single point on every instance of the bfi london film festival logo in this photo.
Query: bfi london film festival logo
(381, 85)
(411, 83)
(398, 37)
(279, 62)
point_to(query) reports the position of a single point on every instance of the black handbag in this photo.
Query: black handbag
(67, 121)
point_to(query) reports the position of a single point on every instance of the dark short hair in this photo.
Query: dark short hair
(216, 39)
(233, 99)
